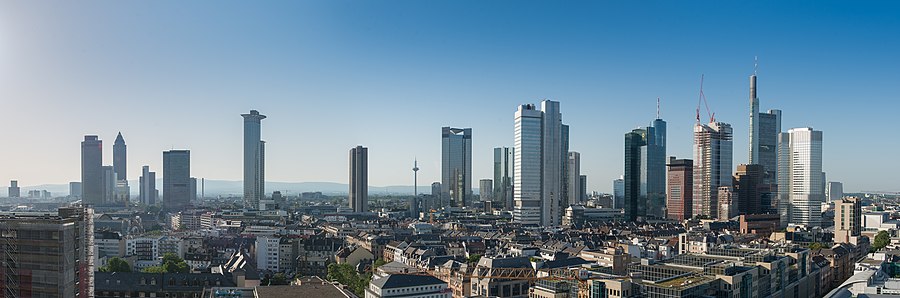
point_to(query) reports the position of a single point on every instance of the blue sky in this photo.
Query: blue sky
(388, 74)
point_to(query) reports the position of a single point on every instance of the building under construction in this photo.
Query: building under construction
(47, 255)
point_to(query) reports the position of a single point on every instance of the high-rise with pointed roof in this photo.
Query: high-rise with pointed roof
(119, 158)
(254, 160)
(764, 130)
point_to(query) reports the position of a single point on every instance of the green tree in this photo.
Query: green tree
(346, 275)
(882, 239)
(154, 269)
(171, 263)
(473, 258)
(116, 264)
(815, 245)
(378, 263)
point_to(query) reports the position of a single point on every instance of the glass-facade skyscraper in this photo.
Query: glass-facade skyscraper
(645, 172)
(358, 196)
(92, 190)
(176, 180)
(503, 177)
(456, 165)
(764, 130)
(254, 160)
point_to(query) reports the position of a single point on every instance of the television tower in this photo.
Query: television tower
(415, 177)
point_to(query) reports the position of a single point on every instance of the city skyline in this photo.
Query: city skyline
(603, 97)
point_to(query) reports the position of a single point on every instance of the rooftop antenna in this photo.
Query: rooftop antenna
(657, 107)
(755, 64)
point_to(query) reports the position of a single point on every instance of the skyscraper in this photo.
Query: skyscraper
(834, 191)
(13, 191)
(679, 189)
(573, 187)
(359, 179)
(503, 177)
(750, 188)
(109, 184)
(582, 191)
(619, 192)
(254, 160)
(764, 130)
(635, 204)
(728, 200)
(486, 190)
(148, 192)
(456, 165)
(75, 189)
(712, 165)
(653, 168)
(538, 164)
(92, 170)
(176, 180)
(120, 158)
(800, 187)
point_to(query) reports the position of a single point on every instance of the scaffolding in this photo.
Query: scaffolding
(10, 262)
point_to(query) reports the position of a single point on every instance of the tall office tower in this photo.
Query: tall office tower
(486, 190)
(503, 177)
(254, 160)
(109, 184)
(436, 189)
(573, 187)
(123, 192)
(764, 130)
(582, 191)
(619, 192)
(52, 255)
(750, 188)
(359, 179)
(120, 158)
(193, 190)
(653, 168)
(564, 159)
(148, 186)
(92, 170)
(800, 191)
(679, 189)
(75, 189)
(728, 200)
(834, 191)
(456, 165)
(13, 191)
(712, 165)
(847, 220)
(176, 180)
(537, 165)
(635, 204)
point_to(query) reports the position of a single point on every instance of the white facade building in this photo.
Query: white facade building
(538, 164)
(267, 250)
(800, 181)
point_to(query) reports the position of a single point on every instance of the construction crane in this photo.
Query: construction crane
(702, 99)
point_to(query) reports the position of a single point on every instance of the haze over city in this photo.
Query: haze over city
(388, 75)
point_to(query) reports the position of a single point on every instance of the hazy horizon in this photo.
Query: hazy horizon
(388, 75)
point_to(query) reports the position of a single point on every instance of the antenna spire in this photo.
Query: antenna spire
(657, 107)
(755, 64)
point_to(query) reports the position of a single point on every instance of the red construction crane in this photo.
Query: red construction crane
(712, 116)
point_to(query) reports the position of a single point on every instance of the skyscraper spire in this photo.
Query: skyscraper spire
(657, 108)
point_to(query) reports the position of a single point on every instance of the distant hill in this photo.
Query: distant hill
(230, 187)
